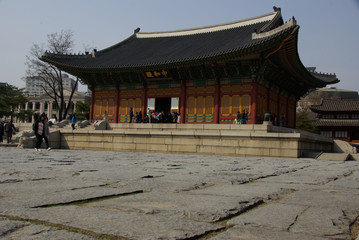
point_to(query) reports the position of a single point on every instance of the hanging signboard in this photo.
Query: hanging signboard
(157, 75)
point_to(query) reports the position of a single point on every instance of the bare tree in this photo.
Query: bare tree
(52, 77)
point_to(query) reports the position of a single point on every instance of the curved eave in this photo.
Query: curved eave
(329, 78)
(287, 55)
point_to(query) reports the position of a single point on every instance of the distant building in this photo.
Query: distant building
(316, 97)
(44, 104)
(334, 111)
(338, 118)
(3, 83)
(34, 86)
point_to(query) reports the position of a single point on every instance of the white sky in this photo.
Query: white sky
(328, 37)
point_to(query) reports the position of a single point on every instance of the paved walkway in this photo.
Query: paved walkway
(62, 194)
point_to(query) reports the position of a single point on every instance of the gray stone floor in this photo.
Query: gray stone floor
(63, 194)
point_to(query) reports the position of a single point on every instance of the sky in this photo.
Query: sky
(328, 35)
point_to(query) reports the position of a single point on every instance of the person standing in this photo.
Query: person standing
(1, 131)
(131, 115)
(9, 127)
(281, 120)
(149, 115)
(46, 133)
(140, 117)
(73, 122)
(244, 117)
(105, 116)
(39, 132)
(136, 117)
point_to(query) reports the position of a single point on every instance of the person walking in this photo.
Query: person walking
(9, 127)
(39, 132)
(1, 131)
(73, 122)
(46, 133)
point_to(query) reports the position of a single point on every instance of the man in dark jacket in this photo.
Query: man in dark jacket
(39, 132)
(9, 127)
(1, 130)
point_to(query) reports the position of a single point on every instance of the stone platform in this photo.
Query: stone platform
(224, 139)
(65, 194)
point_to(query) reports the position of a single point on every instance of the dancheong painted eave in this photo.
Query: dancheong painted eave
(145, 51)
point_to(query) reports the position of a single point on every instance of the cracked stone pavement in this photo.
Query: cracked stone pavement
(63, 194)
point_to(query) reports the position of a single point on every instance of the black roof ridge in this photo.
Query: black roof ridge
(273, 22)
(209, 28)
(117, 44)
(276, 15)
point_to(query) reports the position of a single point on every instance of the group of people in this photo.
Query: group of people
(241, 118)
(8, 128)
(161, 117)
(137, 118)
(41, 130)
(152, 117)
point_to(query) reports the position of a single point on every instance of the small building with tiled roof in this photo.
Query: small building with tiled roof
(338, 119)
(206, 74)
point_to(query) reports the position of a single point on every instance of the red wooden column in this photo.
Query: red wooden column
(295, 115)
(254, 104)
(117, 104)
(268, 100)
(286, 113)
(217, 101)
(92, 107)
(278, 108)
(183, 104)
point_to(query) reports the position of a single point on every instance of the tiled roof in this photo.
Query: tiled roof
(325, 77)
(337, 122)
(166, 48)
(330, 105)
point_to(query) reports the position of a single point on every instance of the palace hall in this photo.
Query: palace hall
(206, 75)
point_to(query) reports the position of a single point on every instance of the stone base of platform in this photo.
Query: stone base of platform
(237, 140)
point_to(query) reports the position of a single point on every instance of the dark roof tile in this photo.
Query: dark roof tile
(330, 105)
(151, 49)
(337, 122)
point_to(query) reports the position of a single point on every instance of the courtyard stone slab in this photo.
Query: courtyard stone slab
(125, 195)
(272, 216)
(112, 221)
(333, 156)
(259, 233)
(27, 231)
